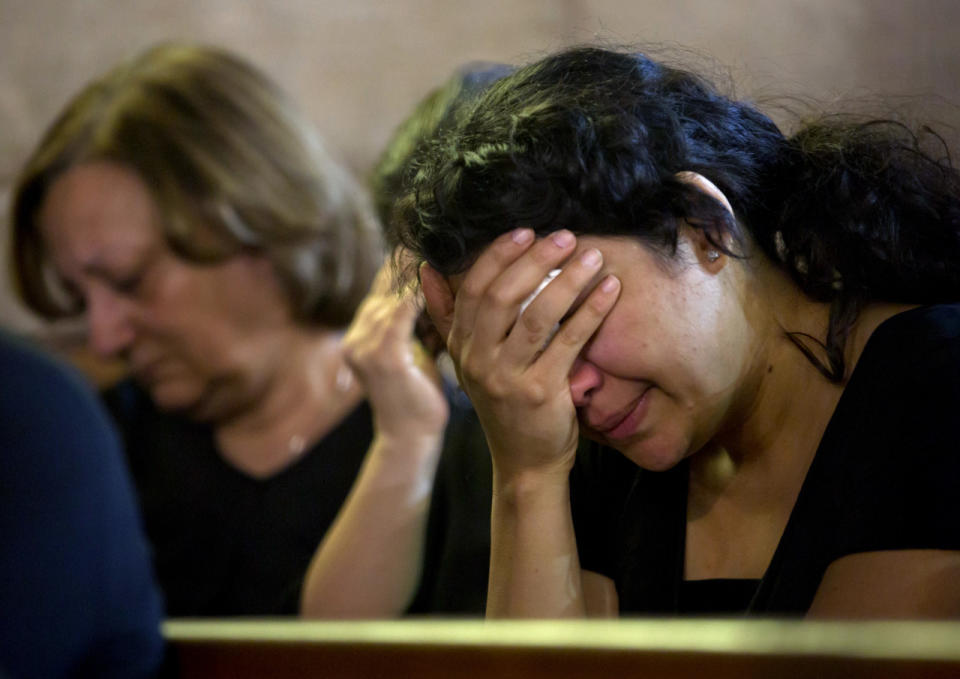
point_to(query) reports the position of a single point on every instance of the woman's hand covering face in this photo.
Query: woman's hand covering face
(511, 364)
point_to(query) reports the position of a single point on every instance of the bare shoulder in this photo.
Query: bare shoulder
(910, 583)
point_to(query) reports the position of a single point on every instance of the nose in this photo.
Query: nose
(108, 321)
(585, 378)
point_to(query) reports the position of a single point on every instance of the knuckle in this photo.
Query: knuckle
(472, 288)
(533, 393)
(454, 346)
(473, 370)
(497, 387)
(498, 296)
(570, 336)
(532, 325)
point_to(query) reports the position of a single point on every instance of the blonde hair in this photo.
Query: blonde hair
(232, 167)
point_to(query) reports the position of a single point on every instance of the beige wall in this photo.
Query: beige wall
(358, 66)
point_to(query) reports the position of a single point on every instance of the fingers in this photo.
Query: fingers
(580, 326)
(489, 266)
(481, 316)
(538, 322)
(379, 340)
(505, 275)
(385, 280)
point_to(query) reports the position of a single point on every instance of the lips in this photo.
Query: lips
(623, 423)
(611, 422)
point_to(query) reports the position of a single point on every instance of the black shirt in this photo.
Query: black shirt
(226, 544)
(457, 554)
(884, 478)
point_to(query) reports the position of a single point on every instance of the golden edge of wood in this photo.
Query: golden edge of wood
(913, 640)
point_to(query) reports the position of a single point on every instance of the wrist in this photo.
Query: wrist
(522, 488)
(408, 446)
(414, 420)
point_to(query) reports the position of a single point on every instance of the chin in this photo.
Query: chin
(652, 455)
(173, 397)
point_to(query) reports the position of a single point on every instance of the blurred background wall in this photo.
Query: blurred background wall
(358, 66)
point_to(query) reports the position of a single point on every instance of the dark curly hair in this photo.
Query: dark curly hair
(431, 117)
(592, 140)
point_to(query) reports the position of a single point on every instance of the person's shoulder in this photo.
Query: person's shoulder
(66, 494)
(45, 399)
(920, 340)
(24, 364)
(932, 325)
(908, 378)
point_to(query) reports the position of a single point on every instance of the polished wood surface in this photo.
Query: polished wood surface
(668, 649)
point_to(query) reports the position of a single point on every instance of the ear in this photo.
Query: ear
(438, 297)
(708, 255)
(708, 187)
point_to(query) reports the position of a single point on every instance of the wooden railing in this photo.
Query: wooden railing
(664, 649)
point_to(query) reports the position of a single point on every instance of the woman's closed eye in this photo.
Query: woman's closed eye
(129, 284)
(129, 280)
(72, 298)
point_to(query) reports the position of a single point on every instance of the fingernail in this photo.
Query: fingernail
(522, 236)
(591, 258)
(562, 239)
(610, 283)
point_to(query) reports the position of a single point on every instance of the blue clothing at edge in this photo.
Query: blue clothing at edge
(77, 593)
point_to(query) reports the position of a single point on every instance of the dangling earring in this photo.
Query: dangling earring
(712, 255)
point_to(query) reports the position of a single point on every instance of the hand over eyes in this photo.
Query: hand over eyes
(514, 339)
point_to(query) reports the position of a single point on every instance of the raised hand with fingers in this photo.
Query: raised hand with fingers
(369, 562)
(514, 356)
(400, 380)
(514, 365)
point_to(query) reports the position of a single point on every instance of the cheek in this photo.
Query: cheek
(182, 316)
(181, 295)
(618, 348)
(674, 356)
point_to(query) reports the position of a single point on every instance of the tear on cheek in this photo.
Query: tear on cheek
(533, 295)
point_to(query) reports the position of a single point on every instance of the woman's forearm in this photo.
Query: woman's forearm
(534, 567)
(368, 565)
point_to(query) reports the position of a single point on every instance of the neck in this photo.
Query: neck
(777, 424)
(745, 483)
(307, 394)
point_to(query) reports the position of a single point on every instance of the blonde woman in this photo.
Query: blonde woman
(187, 210)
